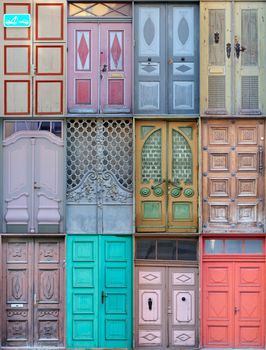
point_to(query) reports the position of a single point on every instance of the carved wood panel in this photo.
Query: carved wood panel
(33, 296)
(233, 178)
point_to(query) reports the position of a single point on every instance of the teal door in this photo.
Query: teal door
(99, 291)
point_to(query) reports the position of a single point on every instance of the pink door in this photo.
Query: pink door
(233, 305)
(99, 68)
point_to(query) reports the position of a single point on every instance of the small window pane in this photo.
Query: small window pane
(145, 249)
(166, 250)
(233, 246)
(187, 250)
(214, 246)
(253, 246)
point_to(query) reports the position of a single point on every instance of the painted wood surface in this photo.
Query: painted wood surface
(33, 292)
(99, 299)
(166, 59)
(233, 178)
(33, 178)
(166, 176)
(233, 304)
(99, 68)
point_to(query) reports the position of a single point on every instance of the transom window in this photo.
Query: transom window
(166, 249)
(54, 127)
(234, 246)
(94, 9)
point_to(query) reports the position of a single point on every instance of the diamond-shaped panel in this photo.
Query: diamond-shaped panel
(116, 50)
(150, 337)
(183, 337)
(183, 278)
(83, 50)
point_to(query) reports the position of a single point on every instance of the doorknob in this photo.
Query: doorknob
(104, 296)
(35, 186)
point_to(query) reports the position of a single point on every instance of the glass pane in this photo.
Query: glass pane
(214, 246)
(254, 246)
(187, 250)
(145, 249)
(233, 246)
(166, 250)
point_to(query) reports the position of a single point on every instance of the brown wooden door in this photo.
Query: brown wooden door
(33, 295)
(233, 181)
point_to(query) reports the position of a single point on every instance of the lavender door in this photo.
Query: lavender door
(99, 68)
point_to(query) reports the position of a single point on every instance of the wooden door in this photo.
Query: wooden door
(233, 181)
(99, 68)
(166, 176)
(182, 289)
(233, 305)
(182, 59)
(151, 306)
(250, 29)
(115, 67)
(33, 187)
(99, 296)
(33, 293)
(150, 56)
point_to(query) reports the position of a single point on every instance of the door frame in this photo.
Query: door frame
(227, 258)
(167, 264)
(32, 237)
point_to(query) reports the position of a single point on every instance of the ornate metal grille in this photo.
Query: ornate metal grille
(182, 158)
(151, 158)
(98, 153)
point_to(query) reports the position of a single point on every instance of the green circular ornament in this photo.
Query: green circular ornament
(145, 191)
(188, 192)
(176, 192)
(158, 191)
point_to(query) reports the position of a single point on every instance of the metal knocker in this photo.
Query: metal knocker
(150, 303)
(228, 50)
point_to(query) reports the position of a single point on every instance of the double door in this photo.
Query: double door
(33, 181)
(166, 176)
(233, 176)
(99, 287)
(233, 78)
(166, 59)
(99, 68)
(233, 304)
(32, 292)
(166, 314)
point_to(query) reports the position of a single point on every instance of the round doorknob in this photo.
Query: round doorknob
(183, 299)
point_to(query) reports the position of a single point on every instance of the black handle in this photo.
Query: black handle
(150, 303)
(228, 50)
(239, 49)
(261, 166)
(104, 69)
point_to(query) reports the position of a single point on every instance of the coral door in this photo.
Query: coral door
(166, 315)
(166, 176)
(33, 293)
(233, 305)
(99, 68)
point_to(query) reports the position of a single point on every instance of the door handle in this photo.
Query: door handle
(170, 60)
(34, 299)
(228, 50)
(160, 183)
(104, 296)
(35, 186)
(261, 163)
(236, 309)
(104, 69)
(150, 303)
(239, 48)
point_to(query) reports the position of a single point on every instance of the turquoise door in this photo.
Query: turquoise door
(99, 291)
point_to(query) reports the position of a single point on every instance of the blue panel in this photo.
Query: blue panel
(117, 219)
(81, 218)
(115, 330)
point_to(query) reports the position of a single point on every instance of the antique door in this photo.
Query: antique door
(99, 68)
(166, 59)
(99, 291)
(166, 176)
(233, 181)
(34, 60)
(233, 304)
(233, 80)
(33, 186)
(33, 293)
(166, 315)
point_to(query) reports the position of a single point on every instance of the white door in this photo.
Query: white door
(33, 182)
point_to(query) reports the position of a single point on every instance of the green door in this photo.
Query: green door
(99, 283)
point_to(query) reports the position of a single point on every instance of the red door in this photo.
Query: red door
(233, 304)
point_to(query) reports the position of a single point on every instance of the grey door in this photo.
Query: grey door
(166, 59)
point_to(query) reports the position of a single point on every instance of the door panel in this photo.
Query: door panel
(99, 291)
(233, 188)
(166, 176)
(150, 298)
(33, 295)
(151, 176)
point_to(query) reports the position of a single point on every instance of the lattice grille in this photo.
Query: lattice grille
(216, 92)
(99, 146)
(151, 158)
(250, 92)
(182, 158)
